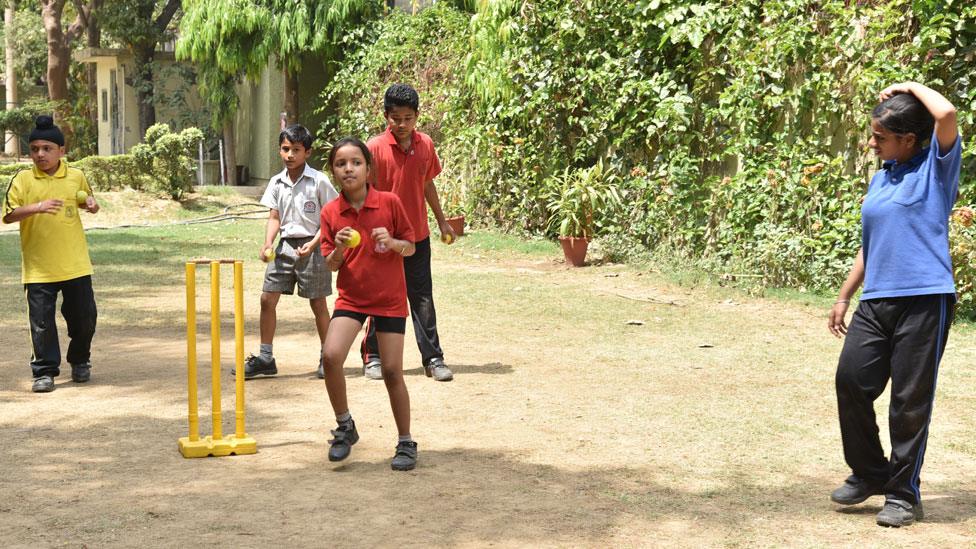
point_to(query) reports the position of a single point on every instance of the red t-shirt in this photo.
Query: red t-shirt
(369, 282)
(406, 173)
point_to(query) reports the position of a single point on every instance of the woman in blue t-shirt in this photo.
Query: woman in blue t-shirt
(900, 327)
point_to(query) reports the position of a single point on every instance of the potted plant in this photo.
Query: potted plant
(576, 201)
(451, 193)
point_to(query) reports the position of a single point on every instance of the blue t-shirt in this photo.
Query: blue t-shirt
(905, 222)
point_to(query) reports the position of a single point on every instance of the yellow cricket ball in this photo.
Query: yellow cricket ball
(354, 239)
(447, 238)
(268, 255)
(81, 197)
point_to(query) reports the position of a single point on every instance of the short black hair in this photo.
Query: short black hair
(296, 133)
(350, 140)
(903, 113)
(400, 95)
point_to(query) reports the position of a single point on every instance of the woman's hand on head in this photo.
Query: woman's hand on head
(895, 89)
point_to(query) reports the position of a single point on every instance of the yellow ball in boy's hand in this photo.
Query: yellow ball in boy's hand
(354, 239)
(81, 197)
(268, 255)
(447, 238)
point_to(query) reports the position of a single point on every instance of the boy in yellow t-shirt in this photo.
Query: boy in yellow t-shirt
(46, 200)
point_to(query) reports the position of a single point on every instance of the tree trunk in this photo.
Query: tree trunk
(12, 141)
(94, 35)
(58, 52)
(144, 57)
(291, 97)
(230, 152)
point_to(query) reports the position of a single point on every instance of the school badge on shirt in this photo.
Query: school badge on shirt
(310, 206)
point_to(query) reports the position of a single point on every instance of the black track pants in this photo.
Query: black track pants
(420, 295)
(78, 310)
(901, 339)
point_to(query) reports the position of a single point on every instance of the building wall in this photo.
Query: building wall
(258, 123)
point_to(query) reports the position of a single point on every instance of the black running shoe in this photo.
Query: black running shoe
(43, 384)
(897, 513)
(855, 490)
(405, 457)
(255, 366)
(344, 436)
(81, 373)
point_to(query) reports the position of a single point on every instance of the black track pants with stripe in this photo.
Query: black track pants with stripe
(78, 309)
(901, 339)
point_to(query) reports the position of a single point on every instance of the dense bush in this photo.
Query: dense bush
(168, 157)
(111, 173)
(736, 129)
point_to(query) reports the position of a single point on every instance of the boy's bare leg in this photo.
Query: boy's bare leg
(391, 349)
(342, 332)
(320, 308)
(269, 316)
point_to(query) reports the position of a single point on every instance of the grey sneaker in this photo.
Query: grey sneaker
(343, 437)
(43, 384)
(405, 457)
(438, 370)
(255, 366)
(321, 371)
(81, 373)
(855, 490)
(898, 512)
(373, 369)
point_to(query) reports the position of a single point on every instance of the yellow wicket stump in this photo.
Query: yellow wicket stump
(215, 444)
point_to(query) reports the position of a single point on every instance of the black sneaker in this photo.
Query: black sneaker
(81, 373)
(255, 366)
(405, 457)
(897, 513)
(344, 436)
(855, 490)
(320, 373)
(43, 384)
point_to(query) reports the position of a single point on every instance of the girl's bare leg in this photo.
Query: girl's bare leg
(391, 349)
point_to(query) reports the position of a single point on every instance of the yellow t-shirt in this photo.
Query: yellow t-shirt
(53, 246)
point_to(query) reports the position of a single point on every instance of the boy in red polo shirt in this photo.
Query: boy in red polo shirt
(405, 163)
(365, 236)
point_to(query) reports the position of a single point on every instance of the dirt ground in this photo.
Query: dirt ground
(591, 407)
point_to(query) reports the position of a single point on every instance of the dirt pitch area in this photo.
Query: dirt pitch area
(591, 407)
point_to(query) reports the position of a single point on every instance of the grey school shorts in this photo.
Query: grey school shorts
(310, 272)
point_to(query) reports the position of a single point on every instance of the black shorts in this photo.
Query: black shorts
(390, 324)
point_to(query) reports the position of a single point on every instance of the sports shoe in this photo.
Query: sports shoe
(898, 512)
(855, 490)
(81, 373)
(43, 384)
(438, 370)
(405, 457)
(255, 366)
(320, 373)
(344, 436)
(373, 369)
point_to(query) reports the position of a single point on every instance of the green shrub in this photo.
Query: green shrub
(111, 173)
(168, 157)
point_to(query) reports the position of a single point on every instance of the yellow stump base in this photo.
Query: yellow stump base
(228, 446)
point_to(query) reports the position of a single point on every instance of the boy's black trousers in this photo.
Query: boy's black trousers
(901, 339)
(78, 310)
(420, 295)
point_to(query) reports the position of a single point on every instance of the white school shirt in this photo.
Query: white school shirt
(299, 203)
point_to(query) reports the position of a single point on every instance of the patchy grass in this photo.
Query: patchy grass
(603, 406)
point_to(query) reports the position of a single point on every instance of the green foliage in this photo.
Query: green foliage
(169, 157)
(20, 120)
(111, 173)
(737, 127)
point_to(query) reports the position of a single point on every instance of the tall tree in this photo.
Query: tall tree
(240, 36)
(141, 25)
(11, 141)
(59, 41)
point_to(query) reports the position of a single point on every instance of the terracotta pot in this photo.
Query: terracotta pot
(574, 249)
(456, 223)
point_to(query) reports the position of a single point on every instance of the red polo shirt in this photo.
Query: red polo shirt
(369, 282)
(405, 173)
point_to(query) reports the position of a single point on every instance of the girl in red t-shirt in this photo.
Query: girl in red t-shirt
(365, 236)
